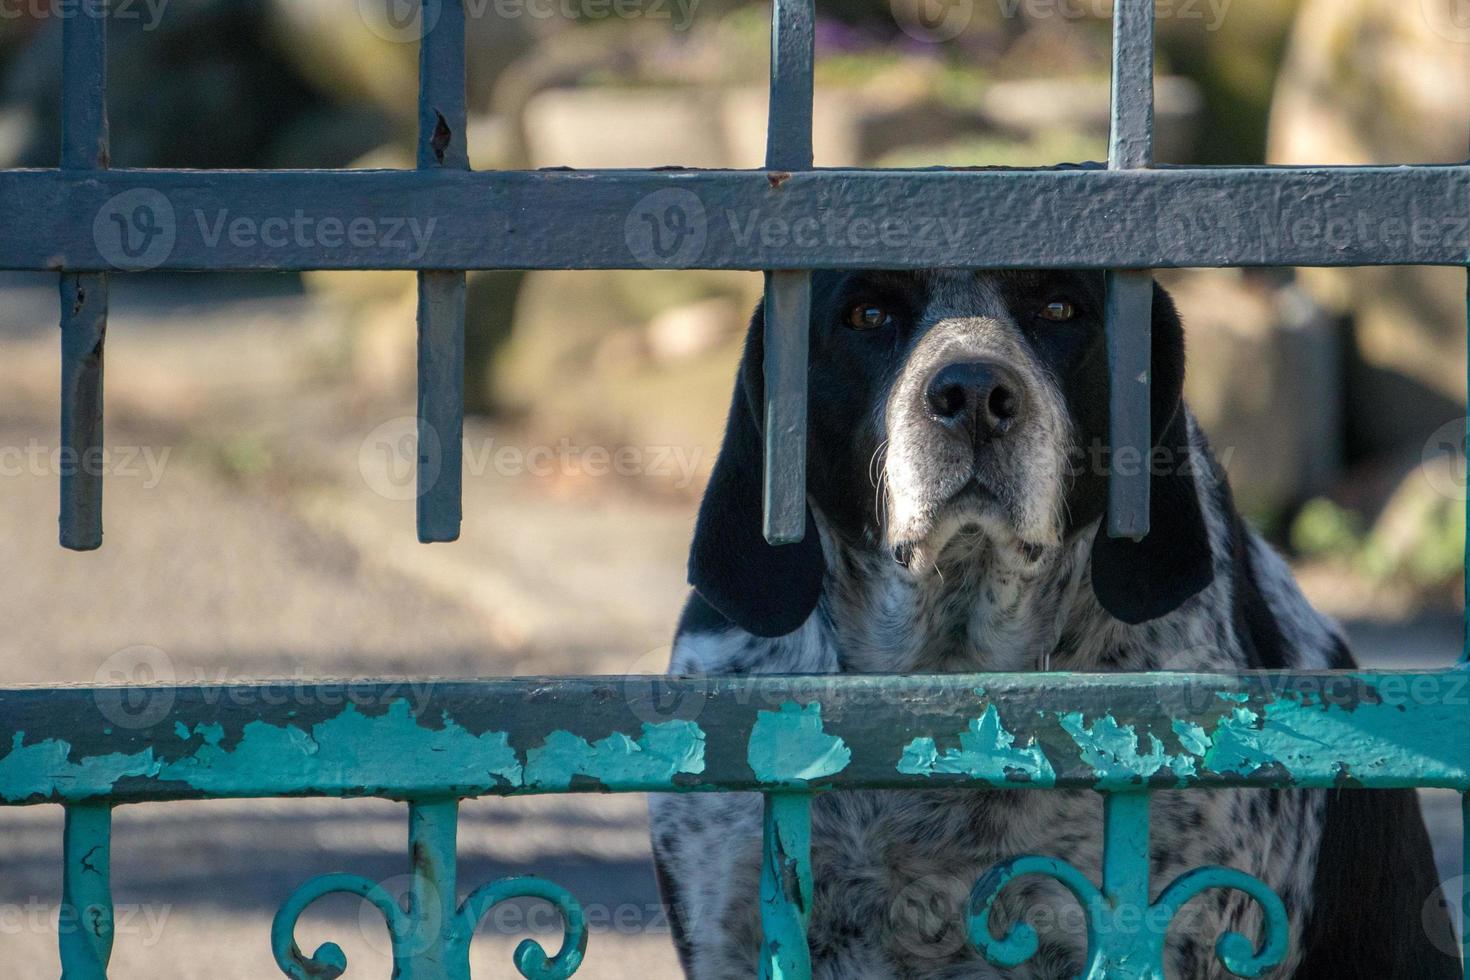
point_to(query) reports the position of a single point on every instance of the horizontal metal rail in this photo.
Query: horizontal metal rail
(409, 739)
(734, 219)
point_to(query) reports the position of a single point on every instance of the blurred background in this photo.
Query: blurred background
(259, 505)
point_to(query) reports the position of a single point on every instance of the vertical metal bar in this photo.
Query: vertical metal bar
(1465, 644)
(1134, 950)
(788, 315)
(1130, 293)
(786, 887)
(85, 926)
(1126, 847)
(1465, 883)
(83, 295)
(432, 837)
(442, 144)
(788, 293)
(1129, 315)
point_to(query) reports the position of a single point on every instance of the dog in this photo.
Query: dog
(956, 493)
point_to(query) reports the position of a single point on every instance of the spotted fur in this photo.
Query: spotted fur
(908, 570)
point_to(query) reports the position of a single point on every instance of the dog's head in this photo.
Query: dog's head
(948, 411)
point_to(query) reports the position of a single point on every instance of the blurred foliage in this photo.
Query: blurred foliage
(1418, 539)
(1235, 65)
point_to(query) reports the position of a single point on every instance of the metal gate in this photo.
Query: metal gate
(1121, 735)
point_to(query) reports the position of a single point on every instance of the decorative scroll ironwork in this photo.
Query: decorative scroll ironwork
(530, 957)
(1109, 944)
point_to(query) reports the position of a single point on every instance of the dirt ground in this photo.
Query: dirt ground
(254, 528)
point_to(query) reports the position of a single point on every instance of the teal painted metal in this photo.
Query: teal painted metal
(455, 739)
(433, 827)
(1125, 736)
(787, 738)
(85, 923)
(786, 887)
(431, 939)
(1125, 931)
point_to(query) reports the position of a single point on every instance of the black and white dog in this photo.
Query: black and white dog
(955, 493)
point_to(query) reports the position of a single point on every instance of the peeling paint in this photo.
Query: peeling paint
(664, 751)
(274, 760)
(788, 746)
(1112, 750)
(986, 751)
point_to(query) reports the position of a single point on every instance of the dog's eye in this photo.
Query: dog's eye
(1059, 311)
(868, 316)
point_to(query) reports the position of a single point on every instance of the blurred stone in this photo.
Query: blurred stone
(602, 128)
(689, 331)
(1265, 382)
(367, 50)
(1035, 105)
(196, 85)
(1384, 82)
(837, 128)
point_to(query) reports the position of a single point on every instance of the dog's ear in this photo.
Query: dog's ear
(765, 590)
(1140, 581)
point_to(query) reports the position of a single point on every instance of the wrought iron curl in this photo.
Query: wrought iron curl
(329, 962)
(1020, 943)
(530, 957)
(1237, 953)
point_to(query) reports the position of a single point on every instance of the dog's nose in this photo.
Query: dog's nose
(976, 399)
